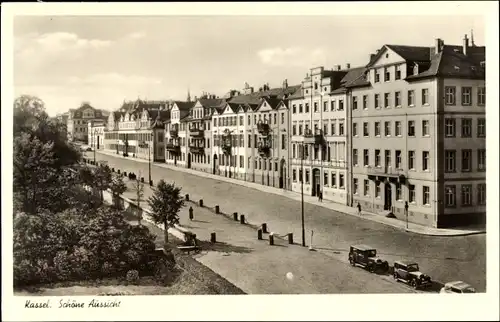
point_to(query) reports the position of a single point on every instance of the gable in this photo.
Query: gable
(241, 109)
(282, 106)
(228, 110)
(175, 107)
(387, 57)
(198, 104)
(264, 107)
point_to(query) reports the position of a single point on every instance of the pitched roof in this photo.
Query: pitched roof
(254, 98)
(273, 102)
(211, 102)
(411, 53)
(184, 106)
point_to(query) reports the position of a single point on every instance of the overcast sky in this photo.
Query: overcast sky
(104, 60)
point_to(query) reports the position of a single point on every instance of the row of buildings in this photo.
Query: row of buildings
(403, 134)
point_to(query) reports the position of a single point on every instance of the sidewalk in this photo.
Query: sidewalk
(412, 227)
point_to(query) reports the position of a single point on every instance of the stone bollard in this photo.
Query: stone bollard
(151, 183)
(217, 210)
(118, 171)
(235, 216)
(124, 173)
(201, 202)
(290, 238)
(142, 179)
(112, 169)
(187, 197)
(271, 239)
(259, 234)
(242, 219)
(264, 228)
(212, 238)
(191, 216)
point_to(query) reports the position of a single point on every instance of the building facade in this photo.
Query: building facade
(177, 134)
(78, 120)
(96, 132)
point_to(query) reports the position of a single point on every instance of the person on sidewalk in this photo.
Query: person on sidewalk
(359, 209)
(320, 196)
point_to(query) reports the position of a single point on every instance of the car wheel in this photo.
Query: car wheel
(414, 284)
(371, 268)
(351, 261)
(395, 275)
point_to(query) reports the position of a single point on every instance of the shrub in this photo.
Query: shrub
(132, 276)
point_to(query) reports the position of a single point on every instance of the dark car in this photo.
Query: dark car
(366, 257)
(409, 273)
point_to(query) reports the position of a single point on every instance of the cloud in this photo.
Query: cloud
(137, 35)
(113, 80)
(291, 56)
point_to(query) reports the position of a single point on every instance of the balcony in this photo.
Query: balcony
(264, 150)
(263, 129)
(174, 133)
(173, 147)
(194, 132)
(385, 172)
(310, 138)
(197, 149)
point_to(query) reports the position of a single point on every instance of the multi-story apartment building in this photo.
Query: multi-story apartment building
(78, 120)
(96, 131)
(200, 132)
(137, 130)
(177, 134)
(319, 128)
(418, 134)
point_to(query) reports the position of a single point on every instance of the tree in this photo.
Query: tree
(139, 193)
(102, 180)
(117, 187)
(165, 204)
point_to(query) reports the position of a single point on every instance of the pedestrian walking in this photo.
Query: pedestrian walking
(321, 196)
(359, 209)
(191, 213)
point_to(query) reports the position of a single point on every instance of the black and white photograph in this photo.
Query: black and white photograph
(332, 151)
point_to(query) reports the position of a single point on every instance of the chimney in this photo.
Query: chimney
(466, 44)
(338, 67)
(348, 65)
(439, 44)
(372, 56)
(285, 83)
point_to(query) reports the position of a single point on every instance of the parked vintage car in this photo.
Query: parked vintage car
(457, 287)
(409, 272)
(366, 257)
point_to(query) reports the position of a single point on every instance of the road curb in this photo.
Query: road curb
(273, 191)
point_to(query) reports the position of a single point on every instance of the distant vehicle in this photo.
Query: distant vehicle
(409, 273)
(457, 287)
(366, 257)
(88, 149)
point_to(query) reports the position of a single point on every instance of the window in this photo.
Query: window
(294, 175)
(411, 98)
(332, 127)
(355, 157)
(426, 195)
(354, 103)
(481, 96)
(315, 107)
(241, 120)
(466, 128)
(294, 109)
(425, 160)
(449, 128)
(466, 195)
(355, 186)
(466, 160)
(366, 157)
(425, 128)
(397, 96)
(283, 141)
(481, 193)
(377, 100)
(215, 122)
(242, 161)
(377, 76)
(449, 95)
(366, 184)
(481, 128)
(307, 107)
(325, 128)
(411, 160)
(275, 118)
(341, 128)
(355, 129)
(332, 106)
(387, 128)
(325, 106)
(399, 192)
(300, 108)
(450, 196)
(341, 105)
(365, 102)
(425, 96)
(301, 176)
(466, 95)
(300, 129)
(377, 158)
(325, 178)
(341, 181)
(399, 161)
(411, 128)
(387, 75)
(398, 128)
(294, 129)
(411, 193)
(398, 72)
(481, 160)
(387, 100)
(366, 130)
(315, 85)
(377, 128)
(307, 176)
(377, 189)
(450, 160)
(334, 180)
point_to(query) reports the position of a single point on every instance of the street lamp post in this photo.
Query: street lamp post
(95, 145)
(149, 160)
(302, 195)
(406, 212)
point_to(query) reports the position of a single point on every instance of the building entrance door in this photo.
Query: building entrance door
(387, 196)
(316, 182)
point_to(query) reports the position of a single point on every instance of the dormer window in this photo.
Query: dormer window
(315, 86)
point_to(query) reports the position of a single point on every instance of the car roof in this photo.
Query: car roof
(405, 263)
(363, 247)
(459, 284)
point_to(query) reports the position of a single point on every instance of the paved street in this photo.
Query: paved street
(444, 258)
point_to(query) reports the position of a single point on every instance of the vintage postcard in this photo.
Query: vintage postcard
(263, 161)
